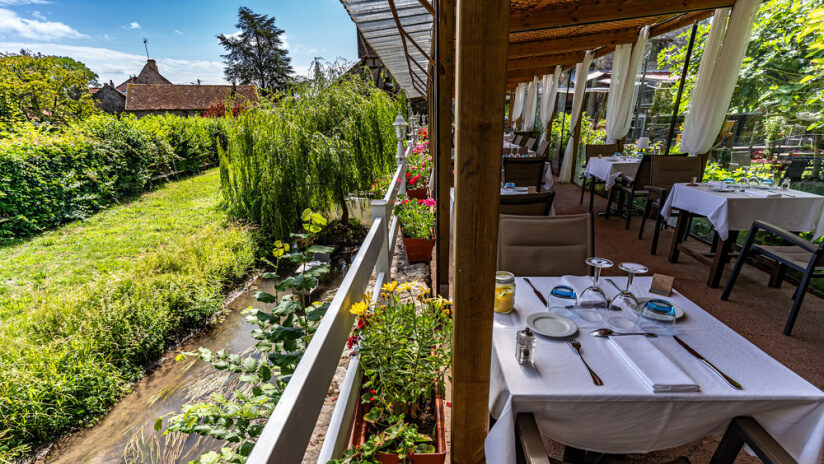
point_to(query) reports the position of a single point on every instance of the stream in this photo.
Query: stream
(126, 434)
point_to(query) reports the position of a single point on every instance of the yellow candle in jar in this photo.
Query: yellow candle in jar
(504, 292)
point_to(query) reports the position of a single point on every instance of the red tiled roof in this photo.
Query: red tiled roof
(144, 97)
(93, 90)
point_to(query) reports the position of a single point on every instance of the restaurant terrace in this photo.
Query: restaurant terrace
(540, 243)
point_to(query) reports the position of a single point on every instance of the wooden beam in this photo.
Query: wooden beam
(545, 61)
(481, 47)
(572, 43)
(597, 11)
(442, 137)
(428, 7)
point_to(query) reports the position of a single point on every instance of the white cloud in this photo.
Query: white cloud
(178, 32)
(13, 24)
(24, 2)
(118, 66)
(39, 15)
(132, 25)
(234, 35)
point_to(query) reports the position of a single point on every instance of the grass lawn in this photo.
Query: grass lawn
(86, 307)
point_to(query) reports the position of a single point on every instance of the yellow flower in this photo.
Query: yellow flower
(390, 287)
(359, 308)
(407, 286)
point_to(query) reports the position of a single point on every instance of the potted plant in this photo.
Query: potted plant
(403, 345)
(419, 169)
(417, 223)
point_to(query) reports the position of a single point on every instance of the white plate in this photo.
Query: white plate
(551, 325)
(679, 312)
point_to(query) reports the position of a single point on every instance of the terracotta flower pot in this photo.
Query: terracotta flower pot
(438, 457)
(418, 193)
(418, 250)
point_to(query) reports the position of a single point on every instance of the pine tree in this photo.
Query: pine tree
(256, 55)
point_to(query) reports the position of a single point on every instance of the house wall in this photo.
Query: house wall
(109, 100)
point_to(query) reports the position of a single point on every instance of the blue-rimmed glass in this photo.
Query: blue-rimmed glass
(562, 299)
(657, 316)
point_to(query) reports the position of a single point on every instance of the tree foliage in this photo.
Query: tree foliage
(256, 54)
(775, 74)
(41, 88)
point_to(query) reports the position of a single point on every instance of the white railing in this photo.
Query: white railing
(287, 433)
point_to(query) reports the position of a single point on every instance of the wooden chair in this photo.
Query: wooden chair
(542, 150)
(530, 204)
(530, 143)
(518, 139)
(545, 245)
(628, 189)
(665, 171)
(742, 431)
(524, 172)
(595, 151)
(797, 253)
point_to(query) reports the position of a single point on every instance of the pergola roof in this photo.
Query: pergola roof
(543, 33)
(400, 31)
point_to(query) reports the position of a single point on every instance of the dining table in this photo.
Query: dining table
(610, 168)
(732, 210)
(629, 413)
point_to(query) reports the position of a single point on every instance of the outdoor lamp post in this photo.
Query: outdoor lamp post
(400, 126)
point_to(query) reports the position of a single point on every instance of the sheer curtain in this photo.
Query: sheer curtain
(530, 108)
(717, 75)
(549, 94)
(622, 87)
(518, 105)
(581, 71)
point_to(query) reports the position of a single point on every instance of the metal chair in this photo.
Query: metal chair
(543, 147)
(530, 143)
(530, 204)
(629, 189)
(592, 151)
(665, 171)
(518, 139)
(798, 254)
(524, 172)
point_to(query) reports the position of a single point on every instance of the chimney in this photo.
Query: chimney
(111, 84)
(151, 63)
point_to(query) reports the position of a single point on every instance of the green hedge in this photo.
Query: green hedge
(47, 179)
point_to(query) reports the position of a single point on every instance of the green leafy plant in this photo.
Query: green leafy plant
(404, 347)
(416, 216)
(282, 336)
(401, 439)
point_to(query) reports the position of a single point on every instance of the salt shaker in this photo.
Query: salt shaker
(525, 348)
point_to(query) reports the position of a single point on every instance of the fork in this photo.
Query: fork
(595, 379)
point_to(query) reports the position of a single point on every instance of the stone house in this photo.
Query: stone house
(183, 100)
(109, 99)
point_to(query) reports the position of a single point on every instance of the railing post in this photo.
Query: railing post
(380, 211)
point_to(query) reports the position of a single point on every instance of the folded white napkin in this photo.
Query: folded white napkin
(762, 193)
(654, 368)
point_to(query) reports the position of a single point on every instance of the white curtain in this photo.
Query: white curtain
(717, 75)
(518, 105)
(623, 88)
(530, 108)
(549, 93)
(581, 71)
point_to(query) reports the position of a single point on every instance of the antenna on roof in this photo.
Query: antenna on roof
(146, 46)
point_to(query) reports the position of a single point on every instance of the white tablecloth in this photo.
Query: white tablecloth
(623, 415)
(795, 211)
(608, 169)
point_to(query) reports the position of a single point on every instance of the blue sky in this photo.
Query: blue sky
(108, 35)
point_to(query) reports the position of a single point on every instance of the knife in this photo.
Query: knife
(537, 293)
(724, 376)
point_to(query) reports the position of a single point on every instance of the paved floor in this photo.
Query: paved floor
(754, 310)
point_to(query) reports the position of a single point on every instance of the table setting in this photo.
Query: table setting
(606, 365)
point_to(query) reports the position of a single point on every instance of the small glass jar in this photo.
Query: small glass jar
(525, 348)
(504, 292)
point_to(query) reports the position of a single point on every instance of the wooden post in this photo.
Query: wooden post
(481, 52)
(442, 137)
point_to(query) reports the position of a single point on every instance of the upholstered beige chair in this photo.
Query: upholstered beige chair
(545, 245)
(530, 204)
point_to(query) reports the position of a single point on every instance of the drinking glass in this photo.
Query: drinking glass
(657, 316)
(593, 299)
(743, 183)
(563, 300)
(754, 182)
(785, 184)
(626, 302)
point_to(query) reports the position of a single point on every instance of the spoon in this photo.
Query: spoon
(608, 332)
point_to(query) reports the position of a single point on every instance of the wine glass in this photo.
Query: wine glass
(754, 182)
(657, 316)
(786, 183)
(743, 183)
(626, 302)
(593, 297)
(562, 299)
